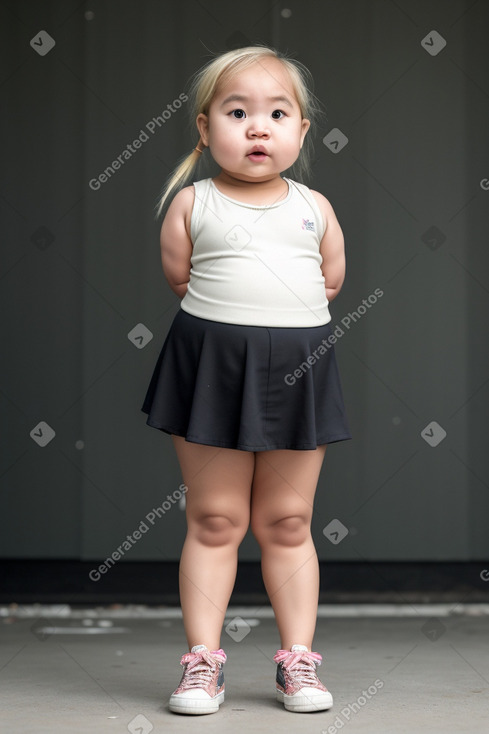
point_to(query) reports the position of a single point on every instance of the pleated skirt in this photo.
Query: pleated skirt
(251, 388)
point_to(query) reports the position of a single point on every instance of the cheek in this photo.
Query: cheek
(297, 134)
(225, 138)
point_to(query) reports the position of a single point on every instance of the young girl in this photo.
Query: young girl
(247, 382)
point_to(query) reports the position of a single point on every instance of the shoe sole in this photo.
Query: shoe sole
(305, 704)
(195, 705)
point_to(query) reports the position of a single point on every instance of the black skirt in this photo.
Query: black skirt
(252, 388)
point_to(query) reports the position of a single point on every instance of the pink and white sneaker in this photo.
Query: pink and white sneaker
(297, 684)
(201, 689)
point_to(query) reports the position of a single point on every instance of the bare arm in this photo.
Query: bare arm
(332, 249)
(175, 242)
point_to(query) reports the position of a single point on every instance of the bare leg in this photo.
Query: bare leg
(218, 515)
(283, 492)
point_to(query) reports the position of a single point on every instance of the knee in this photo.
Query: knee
(217, 530)
(290, 531)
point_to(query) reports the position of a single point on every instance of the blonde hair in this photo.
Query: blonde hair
(219, 71)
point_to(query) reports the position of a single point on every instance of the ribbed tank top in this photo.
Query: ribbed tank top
(257, 265)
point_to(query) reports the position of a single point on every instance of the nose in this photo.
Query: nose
(258, 131)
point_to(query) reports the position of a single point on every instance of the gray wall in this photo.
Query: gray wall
(81, 267)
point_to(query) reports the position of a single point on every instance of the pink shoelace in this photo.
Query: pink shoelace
(200, 666)
(300, 664)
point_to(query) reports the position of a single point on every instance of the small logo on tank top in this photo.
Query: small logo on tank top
(308, 224)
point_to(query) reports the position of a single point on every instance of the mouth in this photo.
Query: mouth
(258, 153)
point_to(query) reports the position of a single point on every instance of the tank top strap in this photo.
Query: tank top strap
(201, 195)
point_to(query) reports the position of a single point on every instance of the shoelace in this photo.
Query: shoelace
(300, 664)
(200, 666)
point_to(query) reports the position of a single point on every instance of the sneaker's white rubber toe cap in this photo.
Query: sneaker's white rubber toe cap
(196, 701)
(307, 699)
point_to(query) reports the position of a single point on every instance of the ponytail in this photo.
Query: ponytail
(181, 174)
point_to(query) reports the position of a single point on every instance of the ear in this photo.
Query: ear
(305, 125)
(202, 122)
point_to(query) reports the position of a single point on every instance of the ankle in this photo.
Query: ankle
(209, 644)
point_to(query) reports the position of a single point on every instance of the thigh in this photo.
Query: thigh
(284, 484)
(218, 480)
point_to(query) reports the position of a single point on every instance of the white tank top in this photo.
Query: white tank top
(257, 265)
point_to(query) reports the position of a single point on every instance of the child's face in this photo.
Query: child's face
(234, 127)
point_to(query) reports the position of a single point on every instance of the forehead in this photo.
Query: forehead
(265, 78)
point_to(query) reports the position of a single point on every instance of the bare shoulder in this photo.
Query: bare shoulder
(185, 195)
(325, 206)
(181, 207)
(184, 200)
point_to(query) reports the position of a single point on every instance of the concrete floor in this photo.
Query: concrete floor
(417, 669)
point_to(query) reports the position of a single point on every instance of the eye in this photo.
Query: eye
(280, 112)
(238, 114)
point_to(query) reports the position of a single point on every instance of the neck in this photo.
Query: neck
(269, 183)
